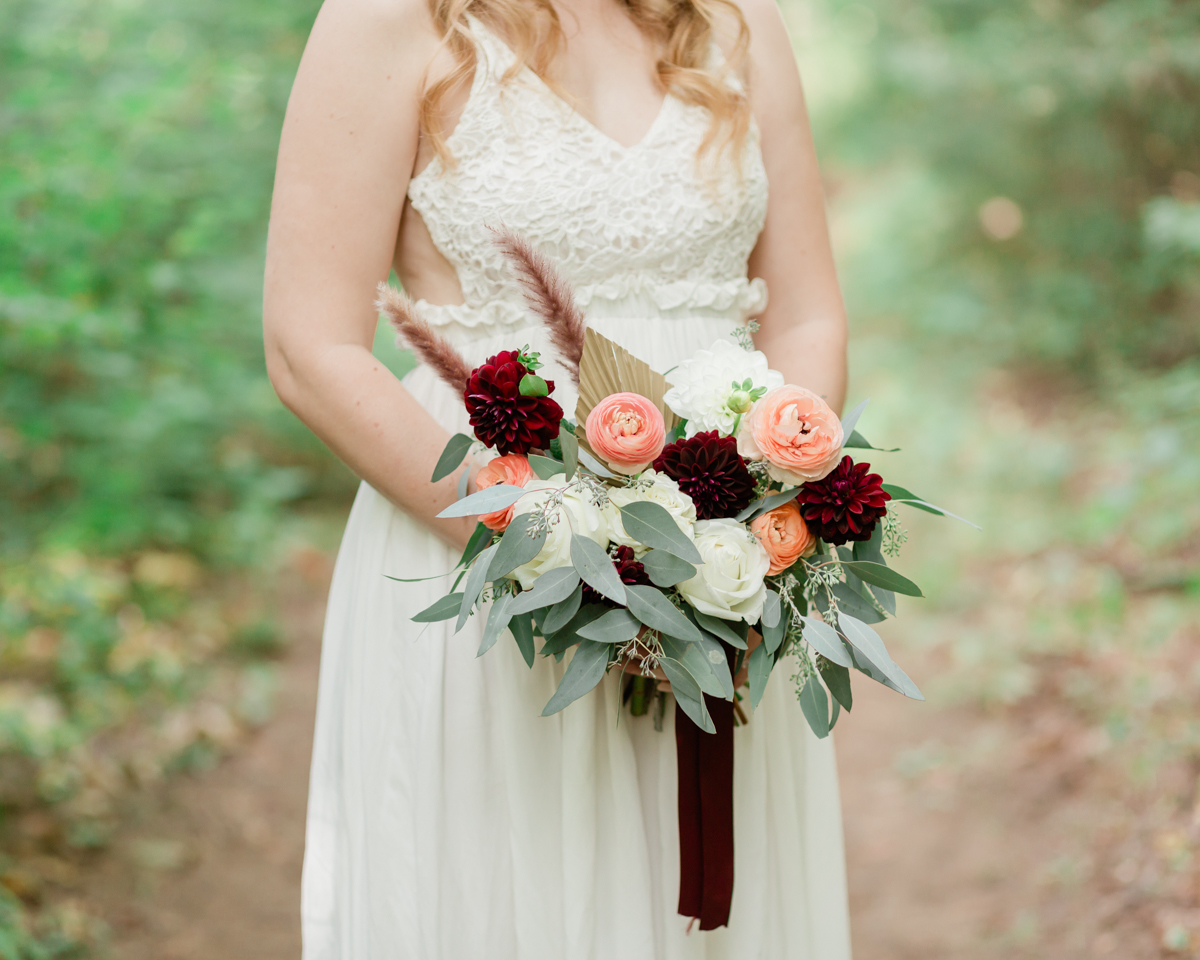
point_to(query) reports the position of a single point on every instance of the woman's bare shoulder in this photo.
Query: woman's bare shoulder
(371, 33)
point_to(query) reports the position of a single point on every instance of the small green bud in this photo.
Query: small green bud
(740, 401)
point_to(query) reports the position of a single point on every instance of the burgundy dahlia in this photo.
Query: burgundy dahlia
(846, 505)
(500, 416)
(629, 569)
(709, 470)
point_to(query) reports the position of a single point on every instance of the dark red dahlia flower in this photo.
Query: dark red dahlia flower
(629, 569)
(709, 470)
(500, 416)
(846, 505)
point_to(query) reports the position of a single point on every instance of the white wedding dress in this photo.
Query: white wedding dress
(447, 819)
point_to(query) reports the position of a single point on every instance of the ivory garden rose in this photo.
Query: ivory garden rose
(576, 515)
(511, 468)
(627, 431)
(730, 583)
(795, 431)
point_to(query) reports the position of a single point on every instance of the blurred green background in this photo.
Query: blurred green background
(1015, 190)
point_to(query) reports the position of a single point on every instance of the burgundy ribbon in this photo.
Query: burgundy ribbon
(705, 765)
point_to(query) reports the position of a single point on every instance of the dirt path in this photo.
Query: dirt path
(954, 837)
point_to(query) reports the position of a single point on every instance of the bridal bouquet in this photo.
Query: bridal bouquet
(703, 527)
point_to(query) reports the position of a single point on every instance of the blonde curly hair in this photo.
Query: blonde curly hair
(682, 30)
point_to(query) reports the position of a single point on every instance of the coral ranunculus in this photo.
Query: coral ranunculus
(795, 431)
(511, 468)
(708, 469)
(846, 504)
(784, 536)
(501, 416)
(627, 430)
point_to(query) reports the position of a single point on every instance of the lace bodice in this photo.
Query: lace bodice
(638, 231)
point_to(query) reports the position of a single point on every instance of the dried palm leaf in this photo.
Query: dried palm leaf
(607, 368)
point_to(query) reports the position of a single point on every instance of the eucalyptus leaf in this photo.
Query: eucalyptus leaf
(516, 547)
(570, 450)
(452, 456)
(651, 524)
(761, 663)
(857, 441)
(871, 549)
(691, 656)
(480, 540)
(522, 631)
(658, 613)
(443, 609)
(718, 663)
(885, 598)
(870, 644)
(559, 615)
(825, 640)
(585, 670)
(815, 705)
(837, 712)
(616, 626)
(772, 610)
(559, 643)
(568, 635)
(837, 679)
(773, 636)
(856, 604)
(596, 568)
(665, 569)
(551, 587)
(767, 504)
(724, 629)
(882, 576)
(476, 581)
(487, 500)
(900, 495)
(498, 618)
(850, 421)
(544, 467)
(594, 465)
(687, 694)
(463, 479)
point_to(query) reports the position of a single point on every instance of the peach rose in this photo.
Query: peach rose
(795, 431)
(627, 430)
(784, 535)
(512, 468)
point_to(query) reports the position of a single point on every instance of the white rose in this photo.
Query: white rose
(730, 584)
(657, 488)
(577, 514)
(708, 391)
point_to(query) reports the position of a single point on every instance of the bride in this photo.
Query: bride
(633, 142)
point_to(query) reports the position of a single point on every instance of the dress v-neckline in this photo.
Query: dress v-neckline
(550, 92)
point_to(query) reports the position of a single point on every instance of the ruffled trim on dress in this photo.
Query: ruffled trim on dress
(739, 298)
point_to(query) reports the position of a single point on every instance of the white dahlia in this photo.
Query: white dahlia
(717, 385)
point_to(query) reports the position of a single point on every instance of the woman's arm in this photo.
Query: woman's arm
(804, 326)
(349, 142)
